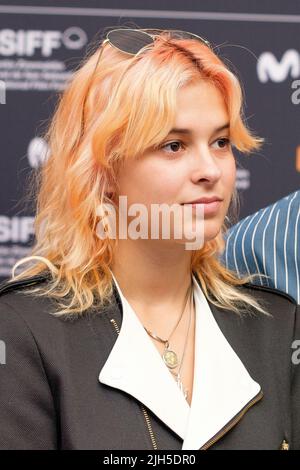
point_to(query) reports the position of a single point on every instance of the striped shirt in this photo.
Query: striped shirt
(267, 242)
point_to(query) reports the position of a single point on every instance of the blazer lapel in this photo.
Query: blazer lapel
(222, 385)
(135, 366)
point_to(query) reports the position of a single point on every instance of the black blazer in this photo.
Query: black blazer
(50, 397)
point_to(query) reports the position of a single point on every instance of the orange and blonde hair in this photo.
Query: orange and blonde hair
(129, 105)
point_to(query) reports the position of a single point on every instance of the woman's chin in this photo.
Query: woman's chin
(211, 231)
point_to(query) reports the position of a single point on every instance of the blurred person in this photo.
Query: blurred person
(268, 243)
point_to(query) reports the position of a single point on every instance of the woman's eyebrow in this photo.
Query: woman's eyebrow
(189, 131)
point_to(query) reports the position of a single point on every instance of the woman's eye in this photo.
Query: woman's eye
(225, 142)
(174, 146)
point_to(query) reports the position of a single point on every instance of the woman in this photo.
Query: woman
(141, 343)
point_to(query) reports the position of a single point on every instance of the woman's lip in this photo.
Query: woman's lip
(208, 207)
(204, 201)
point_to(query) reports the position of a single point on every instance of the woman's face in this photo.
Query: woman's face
(190, 165)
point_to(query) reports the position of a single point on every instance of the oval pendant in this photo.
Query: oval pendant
(170, 358)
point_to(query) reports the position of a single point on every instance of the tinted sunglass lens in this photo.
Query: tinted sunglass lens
(129, 40)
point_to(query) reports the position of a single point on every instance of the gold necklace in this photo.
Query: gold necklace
(178, 376)
(169, 356)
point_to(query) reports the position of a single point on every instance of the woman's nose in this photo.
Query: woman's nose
(205, 166)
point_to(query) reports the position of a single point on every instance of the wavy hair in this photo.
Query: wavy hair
(110, 112)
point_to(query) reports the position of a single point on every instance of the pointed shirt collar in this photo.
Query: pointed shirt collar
(222, 386)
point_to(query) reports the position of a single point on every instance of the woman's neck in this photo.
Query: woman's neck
(154, 278)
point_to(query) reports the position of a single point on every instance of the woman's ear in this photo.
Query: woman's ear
(109, 190)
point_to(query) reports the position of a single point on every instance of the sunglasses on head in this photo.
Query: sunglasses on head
(133, 41)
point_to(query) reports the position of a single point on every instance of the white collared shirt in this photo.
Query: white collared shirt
(222, 386)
